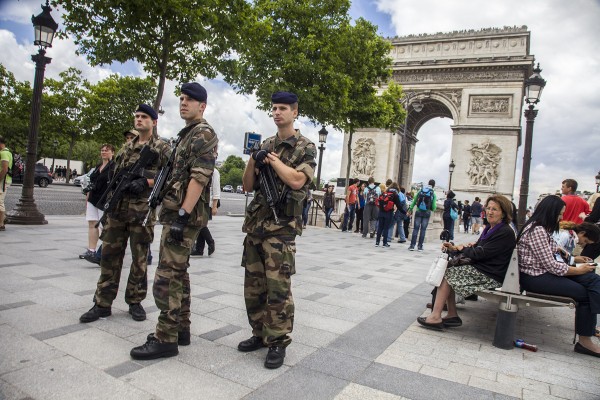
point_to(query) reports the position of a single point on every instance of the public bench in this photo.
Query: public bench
(510, 299)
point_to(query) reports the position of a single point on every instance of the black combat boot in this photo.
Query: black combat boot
(137, 312)
(95, 313)
(275, 357)
(153, 349)
(254, 343)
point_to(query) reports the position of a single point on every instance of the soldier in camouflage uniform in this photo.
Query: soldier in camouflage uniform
(269, 246)
(125, 222)
(184, 212)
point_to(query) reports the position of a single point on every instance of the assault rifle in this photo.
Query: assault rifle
(157, 194)
(266, 180)
(119, 184)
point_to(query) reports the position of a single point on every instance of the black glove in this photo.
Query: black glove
(177, 227)
(259, 157)
(137, 186)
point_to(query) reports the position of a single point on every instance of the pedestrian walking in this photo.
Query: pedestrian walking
(425, 202)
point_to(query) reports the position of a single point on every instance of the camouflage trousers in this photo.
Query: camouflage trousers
(269, 264)
(171, 287)
(114, 242)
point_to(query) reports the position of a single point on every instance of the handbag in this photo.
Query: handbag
(437, 270)
(458, 260)
(453, 214)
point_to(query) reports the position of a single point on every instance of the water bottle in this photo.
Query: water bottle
(521, 344)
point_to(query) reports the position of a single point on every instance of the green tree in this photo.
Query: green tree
(171, 39)
(87, 151)
(61, 115)
(232, 177)
(295, 47)
(15, 103)
(110, 104)
(232, 162)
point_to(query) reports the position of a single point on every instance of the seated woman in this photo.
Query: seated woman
(489, 259)
(543, 271)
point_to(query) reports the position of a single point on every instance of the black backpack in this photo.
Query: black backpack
(425, 199)
(371, 194)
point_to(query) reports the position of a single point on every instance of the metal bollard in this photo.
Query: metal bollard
(505, 326)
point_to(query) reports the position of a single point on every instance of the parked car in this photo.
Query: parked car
(42, 176)
(83, 180)
(239, 189)
(227, 188)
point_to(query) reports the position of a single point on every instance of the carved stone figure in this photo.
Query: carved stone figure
(483, 167)
(363, 157)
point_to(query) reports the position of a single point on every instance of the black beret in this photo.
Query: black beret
(195, 91)
(146, 109)
(284, 98)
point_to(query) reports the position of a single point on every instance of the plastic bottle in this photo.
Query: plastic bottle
(521, 344)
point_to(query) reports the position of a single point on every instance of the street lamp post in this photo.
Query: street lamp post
(533, 91)
(417, 106)
(26, 212)
(322, 139)
(451, 167)
(54, 146)
(597, 181)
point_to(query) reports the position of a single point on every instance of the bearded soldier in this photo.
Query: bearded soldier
(269, 246)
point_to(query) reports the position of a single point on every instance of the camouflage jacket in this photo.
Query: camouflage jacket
(297, 152)
(195, 158)
(133, 208)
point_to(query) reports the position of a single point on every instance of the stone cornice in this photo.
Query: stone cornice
(470, 33)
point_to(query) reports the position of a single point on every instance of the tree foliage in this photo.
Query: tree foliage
(15, 103)
(232, 162)
(110, 105)
(171, 39)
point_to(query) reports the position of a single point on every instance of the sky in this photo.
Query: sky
(566, 138)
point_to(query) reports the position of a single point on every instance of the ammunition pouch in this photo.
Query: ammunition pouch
(292, 204)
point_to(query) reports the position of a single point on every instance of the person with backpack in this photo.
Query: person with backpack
(476, 210)
(371, 194)
(351, 206)
(425, 202)
(398, 217)
(466, 216)
(6, 164)
(450, 214)
(386, 203)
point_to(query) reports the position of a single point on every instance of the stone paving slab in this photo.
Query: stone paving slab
(355, 335)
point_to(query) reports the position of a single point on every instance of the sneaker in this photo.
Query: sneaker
(211, 248)
(137, 312)
(93, 259)
(411, 248)
(386, 245)
(2, 228)
(95, 313)
(153, 349)
(275, 357)
(88, 253)
(420, 249)
(401, 241)
(376, 244)
(371, 235)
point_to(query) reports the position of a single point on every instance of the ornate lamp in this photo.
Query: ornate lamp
(322, 139)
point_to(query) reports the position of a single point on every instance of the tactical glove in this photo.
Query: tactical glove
(137, 186)
(177, 227)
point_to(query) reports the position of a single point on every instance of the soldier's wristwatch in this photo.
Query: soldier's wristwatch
(183, 213)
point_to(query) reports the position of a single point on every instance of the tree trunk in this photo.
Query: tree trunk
(350, 134)
(69, 155)
(163, 71)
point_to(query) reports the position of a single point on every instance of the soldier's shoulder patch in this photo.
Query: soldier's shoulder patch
(310, 149)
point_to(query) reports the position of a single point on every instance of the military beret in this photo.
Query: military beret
(146, 109)
(284, 98)
(131, 131)
(194, 90)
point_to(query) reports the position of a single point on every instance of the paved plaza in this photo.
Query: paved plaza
(355, 335)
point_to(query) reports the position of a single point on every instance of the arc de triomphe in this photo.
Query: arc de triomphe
(474, 77)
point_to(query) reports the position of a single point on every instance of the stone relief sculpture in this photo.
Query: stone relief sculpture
(499, 105)
(483, 167)
(363, 157)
